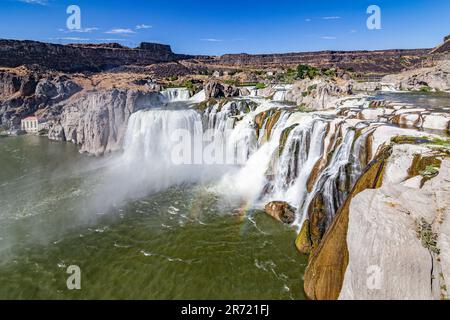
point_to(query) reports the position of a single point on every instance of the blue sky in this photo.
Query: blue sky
(218, 27)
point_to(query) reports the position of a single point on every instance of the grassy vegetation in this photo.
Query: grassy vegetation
(425, 89)
(305, 71)
(441, 142)
(421, 140)
(427, 236)
(429, 172)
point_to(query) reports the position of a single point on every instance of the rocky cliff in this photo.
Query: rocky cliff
(382, 61)
(398, 235)
(23, 92)
(443, 48)
(390, 238)
(96, 121)
(74, 58)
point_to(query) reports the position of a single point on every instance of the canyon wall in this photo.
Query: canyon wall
(74, 58)
(381, 61)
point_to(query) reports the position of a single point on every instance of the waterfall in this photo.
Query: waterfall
(278, 154)
(150, 162)
(303, 148)
(198, 97)
(280, 96)
(291, 156)
(176, 94)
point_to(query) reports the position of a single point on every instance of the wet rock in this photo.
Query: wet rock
(56, 132)
(303, 241)
(281, 211)
(324, 275)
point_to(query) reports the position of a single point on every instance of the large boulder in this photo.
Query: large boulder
(281, 211)
(214, 89)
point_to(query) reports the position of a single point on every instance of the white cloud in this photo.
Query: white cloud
(308, 20)
(328, 38)
(353, 31)
(71, 39)
(82, 30)
(120, 31)
(331, 18)
(212, 40)
(109, 39)
(143, 26)
(39, 2)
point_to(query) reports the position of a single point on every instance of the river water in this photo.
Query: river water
(139, 228)
(176, 244)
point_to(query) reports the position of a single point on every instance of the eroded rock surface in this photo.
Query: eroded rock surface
(398, 237)
(97, 121)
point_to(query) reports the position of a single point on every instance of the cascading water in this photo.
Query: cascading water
(303, 148)
(159, 152)
(279, 96)
(277, 154)
(176, 94)
(284, 153)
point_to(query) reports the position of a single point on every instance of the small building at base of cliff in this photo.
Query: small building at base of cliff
(33, 124)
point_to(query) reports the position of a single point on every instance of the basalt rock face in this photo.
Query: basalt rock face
(327, 265)
(24, 94)
(73, 58)
(443, 48)
(97, 121)
(383, 61)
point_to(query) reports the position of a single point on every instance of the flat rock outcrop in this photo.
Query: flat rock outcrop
(436, 78)
(318, 94)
